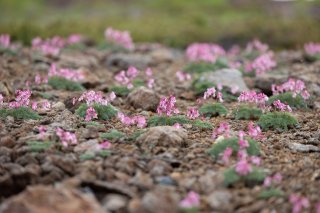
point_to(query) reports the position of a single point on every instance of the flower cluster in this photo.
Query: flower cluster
(65, 73)
(91, 97)
(139, 120)
(44, 105)
(281, 106)
(42, 130)
(1, 99)
(261, 64)
(296, 87)
(126, 77)
(254, 132)
(22, 99)
(275, 179)
(167, 106)
(298, 203)
(66, 137)
(312, 48)
(150, 80)
(182, 76)
(193, 113)
(211, 92)
(104, 145)
(256, 45)
(205, 52)
(224, 129)
(192, 200)
(253, 97)
(90, 114)
(5, 41)
(121, 38)
(40, 80)
(52, 46)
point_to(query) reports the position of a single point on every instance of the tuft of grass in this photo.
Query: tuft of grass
(277, 121)
(167, 121)
(270, 192)
(112, 135)
(295, 102)
(39, 146)
(65, 84)
(256, 176)
(20, 113)
(105, 112)
(136, 134)
(247, 113)
(120, 90)
(92, 156)
(212, 110)
(112, 47)
(202, 125)
(219, 147)
(201, 67)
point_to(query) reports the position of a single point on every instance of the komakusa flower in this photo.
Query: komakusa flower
(243, 167)
(262, 64)
(167, 106)
(193, 113)
(66, 137)
(192, 200)
(312, 48)
(281, 106)
(91, 114)
(299, 203)
(121, 38)
(226, 155)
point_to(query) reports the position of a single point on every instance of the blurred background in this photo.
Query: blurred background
(281, 23)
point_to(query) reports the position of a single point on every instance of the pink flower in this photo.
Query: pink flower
(70, 74)
(42, 131)
(234, 89)
(34, 105)
(193, 113)
(121, 38)
(150, 83)
(91, 97)
(227, 154)
(281, 106)
(192, 200)
(46, 105)
(126, 77)
(262, 64)
(91, 114)
(267, 181)
(296, 87)
(182, 76)
(140, 121)
(318, 207)
(243, 167)
(1, 99)
(148, 72)
(22, 99)
(242, 154)
(224, 128)
(5, 40)
(254, 132)
(167, 106)
(204, 52)
(177, 125)
(253, 97)
(74, 38)
(312, 48)
(298, 203)
(256, 45)
(105, 145)
(50, 46)
(255, 160)
(210, 92)
(276, 178)
(66, 137)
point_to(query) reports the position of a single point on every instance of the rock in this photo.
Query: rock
(225, 77)
(142, 180)
(59, 106)
(123, 61)
(163, 136)
(7, 141)
(161, 55)
(210, 181)
(77, 59)
(165, 180)
(144, 98)
(220, 200)
(265, 80)
(40, 199)
(115, 202)
(158, 167)
(158, 201)
(303, 148)
(87, 147)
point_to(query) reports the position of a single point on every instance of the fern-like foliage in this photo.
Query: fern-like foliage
(120, 90)
(219, 147)
(21, 113)
(257, 175)
(247, 113)
(64, 84)
(39, 146)
(112, 135)
(202, 124)
(212, 110)
(277, 121)
(201, 67)
(295, 102)
(270, 192)
(105, 112)
(167, 120)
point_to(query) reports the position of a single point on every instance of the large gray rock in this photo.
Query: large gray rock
(163, 136)
(220, 200)
(303, 148)
(226, 77)
(144, 98)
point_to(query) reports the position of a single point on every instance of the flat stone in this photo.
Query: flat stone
(303, 148)
(144, 98)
